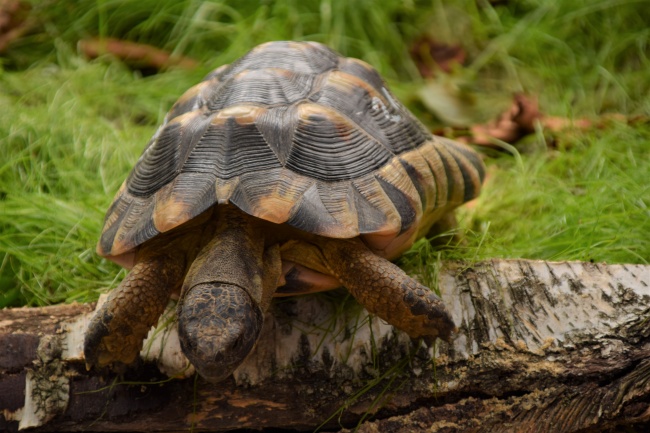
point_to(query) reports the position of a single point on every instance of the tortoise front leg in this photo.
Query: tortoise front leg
(117, 330)
(385, 290)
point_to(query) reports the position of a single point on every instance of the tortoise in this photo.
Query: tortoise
(292, 170)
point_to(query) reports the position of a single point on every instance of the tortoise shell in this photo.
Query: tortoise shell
(293, 133)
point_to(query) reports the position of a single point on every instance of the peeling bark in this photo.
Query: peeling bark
(541, 347)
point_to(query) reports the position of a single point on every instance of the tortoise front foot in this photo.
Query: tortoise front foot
(109, 344)
(115, 334)
(218, 326)
(387, 291)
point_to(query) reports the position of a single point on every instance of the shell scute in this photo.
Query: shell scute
(329, 147)
(307, 58)
(269, 87)
(231, 145)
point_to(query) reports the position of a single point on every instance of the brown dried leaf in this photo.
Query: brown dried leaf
(520, 118)
(555, 123)
(13, 21)
(511, 125)
(432, 56)
(134, 54)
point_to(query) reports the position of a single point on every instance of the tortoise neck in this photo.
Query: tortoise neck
(234, 255)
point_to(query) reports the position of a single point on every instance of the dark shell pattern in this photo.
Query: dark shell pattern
(293, 133)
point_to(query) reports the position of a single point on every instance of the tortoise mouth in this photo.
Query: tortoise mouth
(218, 326)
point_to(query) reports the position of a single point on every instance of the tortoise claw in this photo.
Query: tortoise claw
(447, 336)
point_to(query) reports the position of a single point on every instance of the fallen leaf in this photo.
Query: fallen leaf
(14, 21)
(432, 56)
(447, 98)
(135, 54)
(511, 125)
(520, 120)
(555, 123)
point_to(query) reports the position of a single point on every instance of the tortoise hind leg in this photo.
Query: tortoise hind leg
(443, 232)
(387, 291)
(116, 331)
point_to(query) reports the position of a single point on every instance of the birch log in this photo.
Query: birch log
(541, 347)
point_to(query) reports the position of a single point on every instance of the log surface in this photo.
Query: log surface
(541, 347)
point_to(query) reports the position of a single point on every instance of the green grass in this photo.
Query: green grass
(72, 128)
(588, 201)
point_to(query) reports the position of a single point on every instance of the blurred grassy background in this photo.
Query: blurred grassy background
(72, 127)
